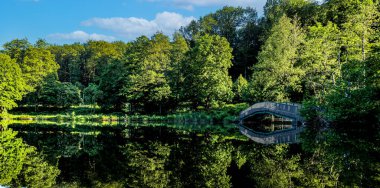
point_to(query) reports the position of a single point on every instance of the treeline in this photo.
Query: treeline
(300, 50)
(142, 75)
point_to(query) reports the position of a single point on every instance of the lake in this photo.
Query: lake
(154, 155)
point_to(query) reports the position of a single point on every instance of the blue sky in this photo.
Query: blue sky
(67, 21)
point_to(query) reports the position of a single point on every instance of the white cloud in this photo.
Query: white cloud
(80, 36)
(132, 27)
(191, 4)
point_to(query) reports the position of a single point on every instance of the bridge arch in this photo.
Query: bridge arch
(287, 110)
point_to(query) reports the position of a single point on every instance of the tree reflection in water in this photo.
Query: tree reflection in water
(156, 155)
(23, 165)
(267, 123)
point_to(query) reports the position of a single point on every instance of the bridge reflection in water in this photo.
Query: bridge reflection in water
(272, 123)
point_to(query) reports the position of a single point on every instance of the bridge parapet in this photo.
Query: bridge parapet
(284, 109)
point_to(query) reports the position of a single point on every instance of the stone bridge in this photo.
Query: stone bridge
(286, 110)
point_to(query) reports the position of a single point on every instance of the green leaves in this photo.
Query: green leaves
(24, 72)
(147, 164)
(278, 74)
(238, 25)
(271, 167)
(12, 83)
(58, 94)
(21, 165)
(240, 88)
(206, 77)
(320, 58)
(149, 62)
(91, 94)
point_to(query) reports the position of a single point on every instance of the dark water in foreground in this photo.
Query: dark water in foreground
(162, 155)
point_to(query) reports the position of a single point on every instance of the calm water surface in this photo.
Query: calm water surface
(48, 154)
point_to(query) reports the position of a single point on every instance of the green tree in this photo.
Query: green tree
(58, 94)
(206, 76)
(359, 28)
(240, 86)
(147, 162)
(22, 165)
(337, 11)
(278, 74)
(147, 84)
(115, 76)
(16, 48)
(91, 94)
(270, 167)
(12, 83)
(97, 55)
(35, 63)
(69, 59)
(111, 81)
(321, 58)
(41, 43)
(175, 73)
(306, 11)
(239, 26)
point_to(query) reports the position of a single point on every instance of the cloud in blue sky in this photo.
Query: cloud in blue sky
(132, 27)
(69, 21)
(191, 4)
(80, 36)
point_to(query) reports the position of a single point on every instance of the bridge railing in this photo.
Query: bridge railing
(272, 106)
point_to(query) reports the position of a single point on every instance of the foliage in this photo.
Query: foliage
(206, 77)
(147, 84)
(55, 93)
(35, 63)
(229, 111)
(239, 26)
(271, 168)
(277, 74)
(147, 165)
(21, 165)
(240, 88)
(358, 30)
(12, 83)
(110, 83)
(91, 94)
(69, 59)
(97, 55)
(178, 56)
(320, 58)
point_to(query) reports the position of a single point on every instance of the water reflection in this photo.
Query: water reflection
(172, 155)
(267, 123)
(266, 128)
(21, 164)
(135, 155)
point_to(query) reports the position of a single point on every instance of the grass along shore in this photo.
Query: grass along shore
(226, 114)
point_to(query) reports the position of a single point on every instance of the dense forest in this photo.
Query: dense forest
(299, 51)
(324, 55)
